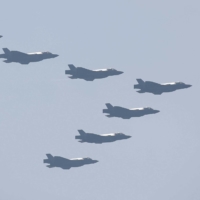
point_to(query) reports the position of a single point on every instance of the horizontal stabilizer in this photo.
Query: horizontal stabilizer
(72, 67)
(140, 81)
(81, 132)
(6, 50)
(67, 71)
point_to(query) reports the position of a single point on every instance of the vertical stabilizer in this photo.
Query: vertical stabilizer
(109, 106)
(81, 132)
(140, 84)
(6, 50)
(49, 156)
(140, 81)
(72, 67)
(49, 160)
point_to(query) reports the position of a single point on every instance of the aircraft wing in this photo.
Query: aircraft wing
(7, 51)
(89, 79)
(81, 69)
(121, 108)
(157, 92)
(24, 62)
(150, 83)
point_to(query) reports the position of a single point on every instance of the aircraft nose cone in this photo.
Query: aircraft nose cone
(120, 72)
(95, 161)
(156, 111)
(55, 55)
(128, 136)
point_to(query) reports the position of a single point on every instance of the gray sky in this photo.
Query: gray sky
(41, 109)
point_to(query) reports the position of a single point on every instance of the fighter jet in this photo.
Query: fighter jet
(158, 89)
(64, 163)
(99, 139)
(25, 58)
(90, 75)
(124, 113)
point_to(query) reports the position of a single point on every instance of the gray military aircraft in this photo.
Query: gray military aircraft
(124, 113)
(64, 163)
(90, 75)
(158, 89)
(99, 139)
(25, 58)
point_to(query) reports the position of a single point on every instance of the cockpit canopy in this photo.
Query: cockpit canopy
(119, 134)
(148, 108)
(46, 52)
(87, 158)
(180, 83)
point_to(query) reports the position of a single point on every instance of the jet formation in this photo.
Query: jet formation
(111, 111)
(90, 75)
(64, 163)
(99, 139)
(25, 58)
(158, 89)
(124, 113)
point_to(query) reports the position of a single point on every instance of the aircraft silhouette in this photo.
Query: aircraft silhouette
(157, 89)
(64, 163)
(124, 113)
(25, 58)
(99, 139)
(90, 75)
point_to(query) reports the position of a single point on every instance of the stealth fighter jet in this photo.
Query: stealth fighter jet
(124, 113)
(157, 89)
(99, 139)
(64, 163)
(25, 58)
(90, 75)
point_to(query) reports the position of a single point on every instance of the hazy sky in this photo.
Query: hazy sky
(41, 109)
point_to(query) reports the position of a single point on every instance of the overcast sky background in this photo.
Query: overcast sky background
(41, 109)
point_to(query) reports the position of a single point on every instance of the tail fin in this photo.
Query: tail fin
(140, 81)
(6, 50)
(49, 160)
(109, 106)
(140, 84)
(72, 67)
(81, 132)
(49, 156)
